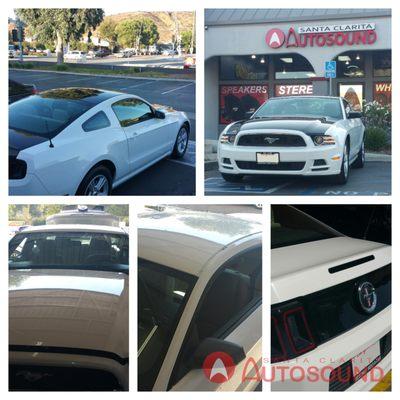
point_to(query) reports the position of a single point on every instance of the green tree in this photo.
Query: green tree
(187, 41)
(60, 24)
(137, 32)
(107, 31)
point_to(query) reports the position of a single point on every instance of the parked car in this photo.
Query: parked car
(11, 51)
(102, 53)
(199, 296)
(75, 55)
(87, 141)
(68, 309)
(295, 135)
(331, 306)
(169, 52)
(17, 91)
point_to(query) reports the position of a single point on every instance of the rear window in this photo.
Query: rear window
(290, 226)
(45, 116)
(68, 249)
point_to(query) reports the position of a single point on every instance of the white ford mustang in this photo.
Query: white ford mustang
(199, 315)
(331, 306)
(299, 135)
(87, 141)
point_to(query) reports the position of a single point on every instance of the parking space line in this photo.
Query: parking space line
(182, 162)
(177, 88)
(137, 85)
(276, 188)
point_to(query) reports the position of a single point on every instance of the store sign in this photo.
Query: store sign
(336, 28)
(383, 93)
(321, 36)
(293, 90)
(236, 102)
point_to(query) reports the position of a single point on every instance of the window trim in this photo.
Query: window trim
(137, 122)
(230, 326)
(94, 115)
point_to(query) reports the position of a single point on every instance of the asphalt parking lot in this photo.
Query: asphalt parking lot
(372, 180)
(168, 177)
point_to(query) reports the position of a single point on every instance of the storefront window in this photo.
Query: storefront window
(237, 102)
(382, 61)
(354, 94)
(244, 68)
(292, 66)
(383, 93)
(350, 65)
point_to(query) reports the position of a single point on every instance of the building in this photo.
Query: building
(254, 54)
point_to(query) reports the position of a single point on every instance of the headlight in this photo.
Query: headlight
(321, 140)
(229, 134)
(227, 138)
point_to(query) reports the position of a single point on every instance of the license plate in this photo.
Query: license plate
(267, 158)
(365, 361)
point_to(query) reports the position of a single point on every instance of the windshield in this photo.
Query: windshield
(61, 249)
(45, 116)
(309, 107)
(290, 226)
(163, 293)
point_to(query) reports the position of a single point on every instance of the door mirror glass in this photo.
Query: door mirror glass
(159, 114)
(213, 345)
(354, 114)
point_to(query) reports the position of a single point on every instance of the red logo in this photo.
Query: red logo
(275, 38)
(218, 367)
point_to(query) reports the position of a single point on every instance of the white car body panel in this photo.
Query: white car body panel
(71, 308)
(203, 249)
(339, 130)
(59, 170)
(302, 269)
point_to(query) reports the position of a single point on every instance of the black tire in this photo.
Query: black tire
(342, 178)
(360, 160)
(179, 146)
(232, 177)
(96, 172)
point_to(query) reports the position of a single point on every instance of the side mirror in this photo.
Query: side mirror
(159, 114)
(212, 345)
(354, 114)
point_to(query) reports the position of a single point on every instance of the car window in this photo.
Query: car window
(347, 107)
(309, 107)
(67, 249)
(96, 122)
(132, 111)
(44, 115)
(234, 290)
(290, 226)
(162, 296)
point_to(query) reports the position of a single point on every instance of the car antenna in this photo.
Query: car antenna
(47, 128)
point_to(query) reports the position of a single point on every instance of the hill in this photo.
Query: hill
(163, 19)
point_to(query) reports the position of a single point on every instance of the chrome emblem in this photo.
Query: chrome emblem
(367, 297)
(270, 140)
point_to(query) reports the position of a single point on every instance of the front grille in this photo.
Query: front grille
(282, 166)
(16, 168)
(341, 378)
(40, 378)
(271, 140)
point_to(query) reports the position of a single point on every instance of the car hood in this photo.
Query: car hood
(308, 126)
(69, 309)
(302, 269)
(18, 141)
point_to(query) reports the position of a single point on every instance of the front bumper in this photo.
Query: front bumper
(334, 353)
(233, 159)
(30, 185)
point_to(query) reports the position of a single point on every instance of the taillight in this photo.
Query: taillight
(290, 332)
(16, 168)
